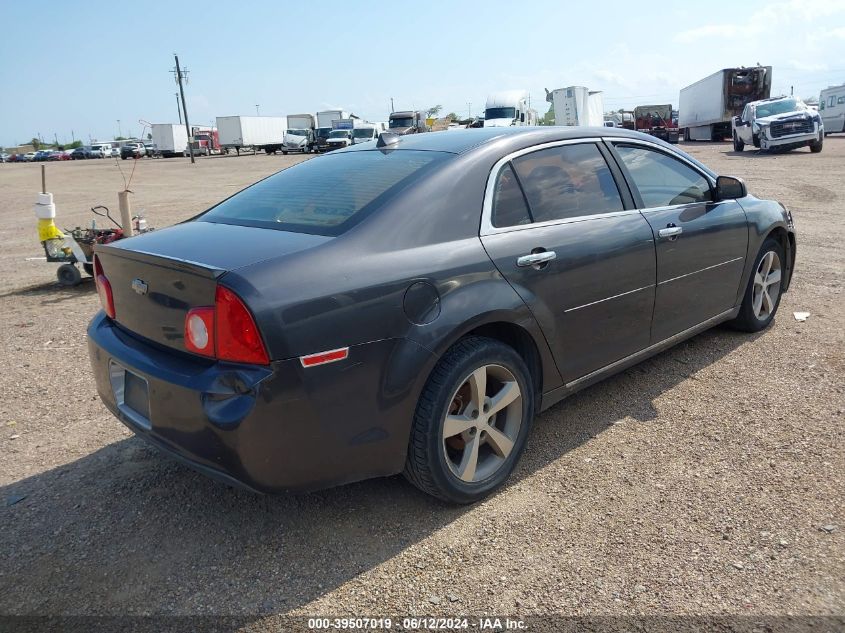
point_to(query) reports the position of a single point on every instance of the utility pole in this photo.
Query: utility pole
(119, 131)
(469, 109)
(391, 106)
(179, 75)
(178, 107)
(56, 138)
(256, 110)
(72, 137)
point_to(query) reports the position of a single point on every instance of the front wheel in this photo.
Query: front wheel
(472, 421)
(739, 144)
(816, 146)
(762, 296)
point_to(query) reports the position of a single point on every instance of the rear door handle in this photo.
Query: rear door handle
(670, 232)
(535, 259)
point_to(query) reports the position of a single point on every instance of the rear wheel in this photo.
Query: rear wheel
(762, 296)
(739, 145)
(68, 275)
(472, 421)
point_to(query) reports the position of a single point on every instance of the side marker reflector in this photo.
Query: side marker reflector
(321, 358)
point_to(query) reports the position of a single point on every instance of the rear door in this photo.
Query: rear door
(701, 244)
(567, 238)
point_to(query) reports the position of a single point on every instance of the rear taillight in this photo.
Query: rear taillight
(103, 288)
(225, 331)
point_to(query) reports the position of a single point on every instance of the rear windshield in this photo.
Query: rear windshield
(327, 195)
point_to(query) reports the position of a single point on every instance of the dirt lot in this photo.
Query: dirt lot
(707, 480)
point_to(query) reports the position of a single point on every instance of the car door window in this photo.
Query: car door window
(566, 182)
(509, 207)
(662, 180)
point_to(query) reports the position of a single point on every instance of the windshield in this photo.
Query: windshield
(325, 196)
(339, 134)
(402, 122)
(363, 132)
(500, 113)
(323, 132)
(779, 107)
(297, 133)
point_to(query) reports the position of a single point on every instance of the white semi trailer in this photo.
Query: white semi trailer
(170, 139)
(256, 132)
(707, 107)
(577, 106)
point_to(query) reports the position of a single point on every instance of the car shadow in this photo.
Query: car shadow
(125, 530)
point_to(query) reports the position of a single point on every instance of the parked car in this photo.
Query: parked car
(483, 276)
(79, 153)
(4, 157)
(29, 157)
(55, 155)
(778, 123)
(42, 155)
(115, 152)
(149, 149)
(132, 150)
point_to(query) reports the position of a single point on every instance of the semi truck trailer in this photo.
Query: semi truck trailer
(256, 132)
(707, 107)
(657, 121)
(577, 106)
(170, 139)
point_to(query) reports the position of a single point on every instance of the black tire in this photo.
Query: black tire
(747, 320)
(284, 153)
(816, 147)
(68, 275)
(426, 466)
(89, 269)
(739, 144)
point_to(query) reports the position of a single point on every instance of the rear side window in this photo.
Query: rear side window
(509, 208)
(566, 182)
(326, 195)
(662, 180)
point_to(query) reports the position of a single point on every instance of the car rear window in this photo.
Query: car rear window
(326, 195)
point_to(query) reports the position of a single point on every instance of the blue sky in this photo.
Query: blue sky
(82, 66)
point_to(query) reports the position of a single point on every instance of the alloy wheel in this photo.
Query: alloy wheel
(766, 286)
(482, 423)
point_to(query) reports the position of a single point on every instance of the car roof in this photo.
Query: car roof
(461, 141)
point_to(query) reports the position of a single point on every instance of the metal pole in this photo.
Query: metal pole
(256, 110)
(184, 109)
(391, 106)
(43, 178)
(119, 131)
(178, 107)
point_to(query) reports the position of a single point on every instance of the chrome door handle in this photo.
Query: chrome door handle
(670, 232)
(536, 258)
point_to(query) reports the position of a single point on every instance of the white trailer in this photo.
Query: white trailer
(170, 139)
(577, 106)
(258, 132)
(832, 109)
(508, 108)
(707, 107)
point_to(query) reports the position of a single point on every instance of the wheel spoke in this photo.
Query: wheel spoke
(757, 303)
(768, 301)
(498, 441)
(773, 278)
(506, 395)
(766, 264)
(466, 469)
(758, 279)
(457, 424)
(478, 387)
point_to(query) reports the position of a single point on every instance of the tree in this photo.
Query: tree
(120, 138)
(452, 116)
(35, 143)
(434, 111)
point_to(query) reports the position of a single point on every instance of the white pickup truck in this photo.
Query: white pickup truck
(779, 122)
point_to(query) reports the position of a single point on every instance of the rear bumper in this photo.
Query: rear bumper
(267, 429)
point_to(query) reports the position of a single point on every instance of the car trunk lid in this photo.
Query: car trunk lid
(156, 278)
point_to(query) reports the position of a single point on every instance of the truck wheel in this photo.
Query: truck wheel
(755, 139)
(816, 146)
(739, 145)
(284, 153)
(68, 275)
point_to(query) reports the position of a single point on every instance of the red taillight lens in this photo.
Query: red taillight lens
(236, 336)
(103, 288)
(199, 331)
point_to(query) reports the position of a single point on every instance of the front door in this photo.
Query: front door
(701, 244)
(559, 232)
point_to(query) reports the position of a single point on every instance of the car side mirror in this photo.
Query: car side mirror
(730, 188)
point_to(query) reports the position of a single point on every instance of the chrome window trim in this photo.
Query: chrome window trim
(487, 227)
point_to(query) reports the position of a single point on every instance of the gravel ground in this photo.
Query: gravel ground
(707, 480)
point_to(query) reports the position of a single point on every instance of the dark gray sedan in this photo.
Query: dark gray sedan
(409, 305)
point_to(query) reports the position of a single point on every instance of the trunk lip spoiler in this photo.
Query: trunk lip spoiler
(167, 261)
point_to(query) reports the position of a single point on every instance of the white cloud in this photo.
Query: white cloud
(708, 31)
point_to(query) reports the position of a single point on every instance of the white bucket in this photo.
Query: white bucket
(45, 198)
(45, 211)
